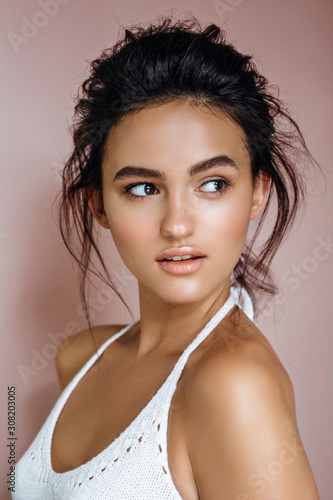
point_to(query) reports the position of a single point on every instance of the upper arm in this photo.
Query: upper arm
(77, 349)
(242, 435)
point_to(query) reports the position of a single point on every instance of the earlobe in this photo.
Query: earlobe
(95, 202)
(260, 194)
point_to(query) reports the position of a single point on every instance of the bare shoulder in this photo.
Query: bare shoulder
(240, 418)
(77, 349)
(241, 359)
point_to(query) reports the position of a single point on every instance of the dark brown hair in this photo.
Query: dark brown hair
(182, 60)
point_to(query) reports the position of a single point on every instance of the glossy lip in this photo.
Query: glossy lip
(181, 267)
(179, 252)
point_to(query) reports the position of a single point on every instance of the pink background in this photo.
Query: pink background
(292, 41)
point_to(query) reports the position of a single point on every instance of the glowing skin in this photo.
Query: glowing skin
(149, 213)
(233, 413)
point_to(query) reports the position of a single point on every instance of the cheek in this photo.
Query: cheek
(226, 236)
(129, 231)
(230, 221)
(124, 233)
(238, 223)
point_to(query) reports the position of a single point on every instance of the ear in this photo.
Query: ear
(260, 194)
(95, 202)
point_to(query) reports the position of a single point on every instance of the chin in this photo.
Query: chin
(185, 292)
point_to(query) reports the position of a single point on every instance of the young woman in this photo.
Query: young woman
(179, 150)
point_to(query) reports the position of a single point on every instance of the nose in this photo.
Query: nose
(178, 219)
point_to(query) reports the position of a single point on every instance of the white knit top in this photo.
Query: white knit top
(135, 465)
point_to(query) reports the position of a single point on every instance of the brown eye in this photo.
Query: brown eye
(141, 190)
(149, 189)
(215, 186)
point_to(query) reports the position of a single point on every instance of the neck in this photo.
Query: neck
(169, 327)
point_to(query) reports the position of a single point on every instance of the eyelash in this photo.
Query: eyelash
(226, 185)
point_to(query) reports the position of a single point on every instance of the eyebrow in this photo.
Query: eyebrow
(201, 166)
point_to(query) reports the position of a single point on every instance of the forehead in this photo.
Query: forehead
(175, 133)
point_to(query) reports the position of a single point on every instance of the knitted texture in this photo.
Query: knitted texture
(135, 465)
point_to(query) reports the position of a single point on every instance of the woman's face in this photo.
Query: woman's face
(177, 179)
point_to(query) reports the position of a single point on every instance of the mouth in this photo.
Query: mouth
(178, 258)
(183, 260)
